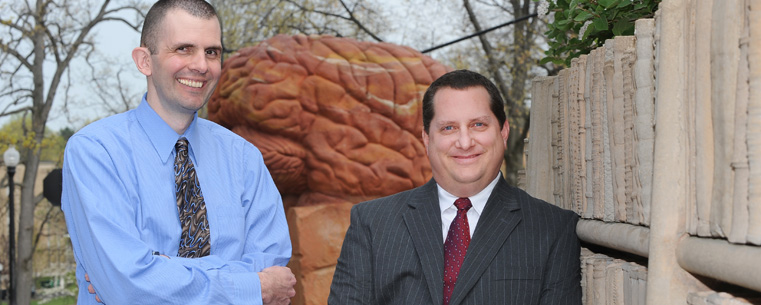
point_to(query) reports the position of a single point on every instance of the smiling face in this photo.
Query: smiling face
(186, 67)
(465, 142)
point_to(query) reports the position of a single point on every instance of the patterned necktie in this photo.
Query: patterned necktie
(194, 241)
(458, 239)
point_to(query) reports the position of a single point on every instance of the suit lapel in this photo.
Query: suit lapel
(495, 224)
(423, 221)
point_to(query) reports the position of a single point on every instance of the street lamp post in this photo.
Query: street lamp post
(11, 159)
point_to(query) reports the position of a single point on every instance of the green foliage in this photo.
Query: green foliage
(44, 282)
(580, 26)
(18, 132)
(64, 300)
(71, 282)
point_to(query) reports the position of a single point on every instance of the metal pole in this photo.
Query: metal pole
(11, 236)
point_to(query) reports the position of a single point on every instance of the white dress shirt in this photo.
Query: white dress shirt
(449, 211)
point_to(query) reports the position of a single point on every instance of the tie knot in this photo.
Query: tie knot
(462, 204)
(182, 144)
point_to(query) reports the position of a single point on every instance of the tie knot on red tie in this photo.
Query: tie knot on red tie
(463, 204)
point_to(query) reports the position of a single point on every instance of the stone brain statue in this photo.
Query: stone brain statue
(337, 120)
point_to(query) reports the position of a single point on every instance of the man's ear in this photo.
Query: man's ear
(142, 58)
(505, 132)
(425, 141)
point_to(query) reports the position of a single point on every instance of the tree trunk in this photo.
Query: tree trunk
(519, 114)
(55, 35)
(25, 274)
(24, 267)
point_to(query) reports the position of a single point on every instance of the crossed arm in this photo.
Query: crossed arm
(277, 285)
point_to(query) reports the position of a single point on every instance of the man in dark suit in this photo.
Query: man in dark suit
(465, 237)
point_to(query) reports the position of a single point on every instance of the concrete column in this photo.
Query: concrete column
(620, 236)
(666, 280)
(719, 259)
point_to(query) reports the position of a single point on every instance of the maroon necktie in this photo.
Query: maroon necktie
(458, 239)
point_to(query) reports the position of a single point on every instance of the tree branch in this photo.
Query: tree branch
(359, 24)
(7, 49)
(493, 64)
(42, 226)
(20, 110)
(351, 18)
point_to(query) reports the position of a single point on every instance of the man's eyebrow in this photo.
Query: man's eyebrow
(190, 45)
(181, 45)
(443, 123)
(485, 118)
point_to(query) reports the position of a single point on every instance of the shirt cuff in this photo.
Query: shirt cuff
(246, 288)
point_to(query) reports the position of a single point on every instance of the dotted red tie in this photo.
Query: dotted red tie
(458, 239)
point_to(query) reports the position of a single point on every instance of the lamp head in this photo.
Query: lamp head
(11, 156)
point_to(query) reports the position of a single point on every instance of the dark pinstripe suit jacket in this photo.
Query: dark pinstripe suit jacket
(524, 251)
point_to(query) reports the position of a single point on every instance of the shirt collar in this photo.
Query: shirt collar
(478, 201)
(161, 135)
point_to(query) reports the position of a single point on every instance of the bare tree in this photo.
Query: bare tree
(39, 40)
(247, 22)
(509, 55)
(349, 15)
(110, 89)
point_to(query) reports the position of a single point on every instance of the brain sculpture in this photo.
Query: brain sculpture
(336, 119)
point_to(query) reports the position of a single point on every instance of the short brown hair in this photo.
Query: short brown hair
(459, 80)
(151, 26)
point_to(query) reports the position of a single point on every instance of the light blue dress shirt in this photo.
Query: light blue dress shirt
(119, 203)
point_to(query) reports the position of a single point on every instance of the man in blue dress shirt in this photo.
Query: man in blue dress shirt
(119, 187)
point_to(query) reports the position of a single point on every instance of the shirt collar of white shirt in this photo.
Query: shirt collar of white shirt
(446, 200)
(449, 211)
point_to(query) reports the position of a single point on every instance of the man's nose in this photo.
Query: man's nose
(198, 63)
(465, 139)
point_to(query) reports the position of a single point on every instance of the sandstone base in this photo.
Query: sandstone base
(317, 233)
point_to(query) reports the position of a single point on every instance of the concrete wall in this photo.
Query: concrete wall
(655, 140)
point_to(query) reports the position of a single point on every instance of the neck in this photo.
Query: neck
(465, 191)
(179, 121)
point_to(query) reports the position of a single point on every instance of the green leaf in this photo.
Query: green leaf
(623, 4)
(607, 3)
(556, 60)
(601, 24)
(590, 30)
(583, 16)
(545, 60)
(607, 21)
(565, 26)
(622, 27)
